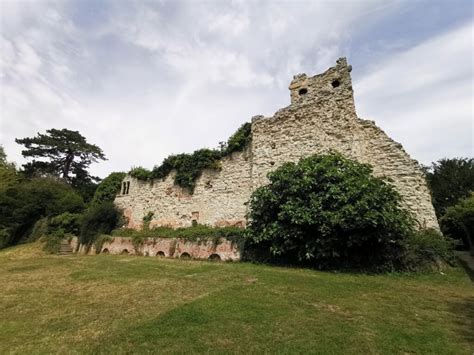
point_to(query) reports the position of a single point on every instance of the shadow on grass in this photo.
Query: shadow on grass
(464, 318)
(467, 268)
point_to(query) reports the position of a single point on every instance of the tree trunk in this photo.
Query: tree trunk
(67, 165)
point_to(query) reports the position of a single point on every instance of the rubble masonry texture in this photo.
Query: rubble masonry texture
(320, 118)
(224, 249)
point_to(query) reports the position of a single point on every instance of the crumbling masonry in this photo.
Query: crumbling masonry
(320, 118)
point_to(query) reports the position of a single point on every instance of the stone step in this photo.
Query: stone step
(65, 248)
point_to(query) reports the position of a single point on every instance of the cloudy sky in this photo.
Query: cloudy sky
(145, 79)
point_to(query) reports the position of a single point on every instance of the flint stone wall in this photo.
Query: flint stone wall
(166, 247)
(320, 118)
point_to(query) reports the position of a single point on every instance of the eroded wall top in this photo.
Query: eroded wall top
(334, 84)
(320, 118)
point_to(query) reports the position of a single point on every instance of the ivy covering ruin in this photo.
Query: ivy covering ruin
(189, 167)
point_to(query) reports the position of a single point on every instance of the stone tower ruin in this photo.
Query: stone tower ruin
(320, 118)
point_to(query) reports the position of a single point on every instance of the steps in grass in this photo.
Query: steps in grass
(65, 248)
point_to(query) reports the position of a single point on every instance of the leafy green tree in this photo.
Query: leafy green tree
(108, 188)
(8, 173)
(98, 219)
(450, 180)
(458, 222)
(64, 153)
(23, 205)
(330, 212)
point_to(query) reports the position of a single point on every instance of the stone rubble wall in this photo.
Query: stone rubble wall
(320, 119)
(220, 197)
(166, 247)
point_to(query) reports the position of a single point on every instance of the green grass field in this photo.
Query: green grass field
(126, 304)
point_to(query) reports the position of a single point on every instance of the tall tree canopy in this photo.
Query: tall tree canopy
(63, 153)
(450, 180)
(8, 174)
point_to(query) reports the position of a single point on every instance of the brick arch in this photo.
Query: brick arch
(214, 257)
(185, 256)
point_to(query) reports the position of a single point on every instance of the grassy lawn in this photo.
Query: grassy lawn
(126, 304)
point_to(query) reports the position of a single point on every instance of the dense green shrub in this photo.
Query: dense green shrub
(450, 180)
(68, 222)
(5, 236)
(329, 212)
(458, 222)
(40, 229)
(65, 223)
(98, 219)
(108, 188)
(426, 250)
(27, 202)
(52, 241)
(189, 167)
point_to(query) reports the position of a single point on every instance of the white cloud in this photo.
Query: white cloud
(423, 96)
(233, 24)
(147, 79)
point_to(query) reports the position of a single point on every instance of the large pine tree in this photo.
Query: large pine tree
(62, 153)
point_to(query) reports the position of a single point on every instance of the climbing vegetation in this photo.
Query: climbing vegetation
(196, 232)
(189, 167)
(108, 188)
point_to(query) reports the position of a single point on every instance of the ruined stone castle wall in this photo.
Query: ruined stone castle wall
(321, 118)
(219, 198)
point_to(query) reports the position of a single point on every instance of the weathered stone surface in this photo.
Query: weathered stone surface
(321, 118)
(221, 249)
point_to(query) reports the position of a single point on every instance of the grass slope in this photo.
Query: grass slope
(125, 304)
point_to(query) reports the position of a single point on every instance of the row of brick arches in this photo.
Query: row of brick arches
(161, 254)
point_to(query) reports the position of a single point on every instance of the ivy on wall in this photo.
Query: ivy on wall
(190, 166)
